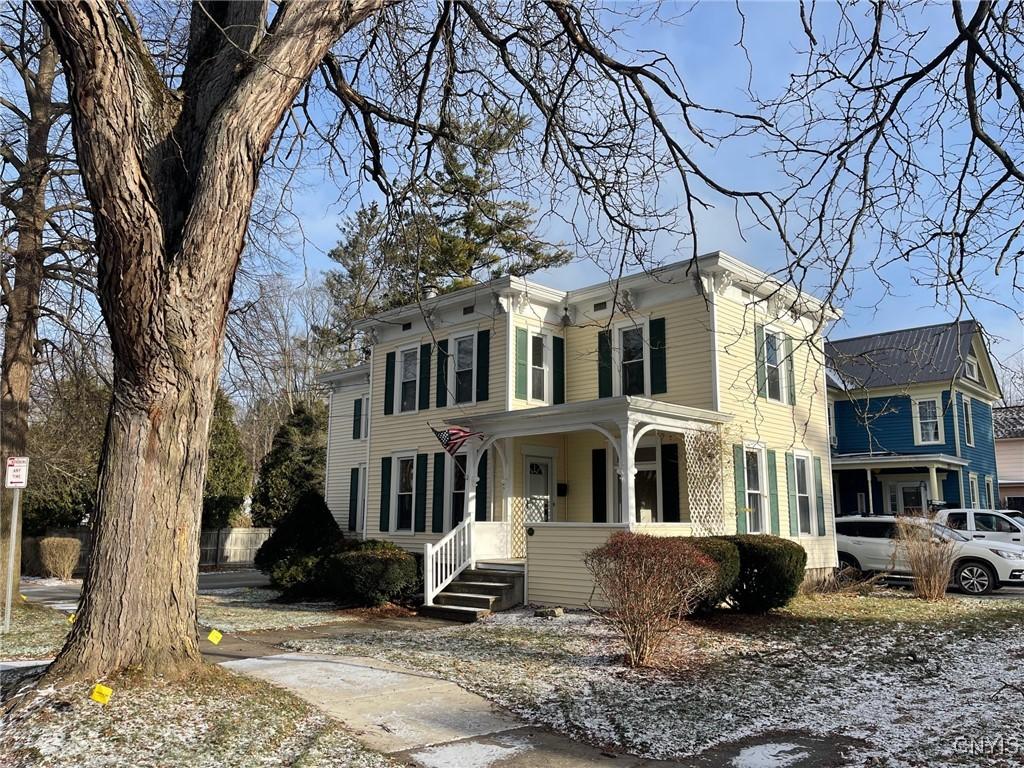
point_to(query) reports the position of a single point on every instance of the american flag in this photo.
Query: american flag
(453, 438)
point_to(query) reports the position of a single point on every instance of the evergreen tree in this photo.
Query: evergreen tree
(228, 474)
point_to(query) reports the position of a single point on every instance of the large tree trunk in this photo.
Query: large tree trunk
(171, 177)
(22, 300)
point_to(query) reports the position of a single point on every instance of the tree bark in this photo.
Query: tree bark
(22, 300)
(171, 177)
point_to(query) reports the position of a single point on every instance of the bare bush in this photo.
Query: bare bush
(929, 556)
(648, 583)
(59, 556)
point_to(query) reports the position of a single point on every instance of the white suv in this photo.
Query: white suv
(983, 524)
(869, 544)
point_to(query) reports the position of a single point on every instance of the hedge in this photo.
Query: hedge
(771, 571)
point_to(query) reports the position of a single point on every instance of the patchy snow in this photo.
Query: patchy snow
(47, 581)
(769, 756)
(470, 754)
(37, 632)
(911, 681)
(248, 610)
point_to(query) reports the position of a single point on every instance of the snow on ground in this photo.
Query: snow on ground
(216, 719)
(47, 581)
(37, 632)
(248, 610)
(913, 681)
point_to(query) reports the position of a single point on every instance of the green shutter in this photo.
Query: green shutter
(741, 489)
(424, 403)
(385, 493)
(357, 418)
(389, 383)
(819, 493)
(670, 482)
(521, 342)
(773, 492)
(353, 498)
(437, 508)
(481, 489)
(790, 369)
(659, 367)
(794, 510)
(420, 506)
(762, 383)
(483, 365)
(604, 364)
(441, 397)
(557, 370)
(599, 484)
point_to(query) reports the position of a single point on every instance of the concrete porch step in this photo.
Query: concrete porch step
(495, 588)
(466, 600)
(453, 613)
(487, 574)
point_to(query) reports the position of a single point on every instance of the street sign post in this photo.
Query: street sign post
(15, 478)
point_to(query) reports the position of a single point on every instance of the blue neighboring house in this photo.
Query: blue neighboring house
(910, 414)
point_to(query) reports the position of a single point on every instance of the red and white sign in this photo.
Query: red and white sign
(17, 472)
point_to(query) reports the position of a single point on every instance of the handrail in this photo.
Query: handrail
(446, 559)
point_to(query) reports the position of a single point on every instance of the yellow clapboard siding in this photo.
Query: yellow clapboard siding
(343, 452)
(556, 574)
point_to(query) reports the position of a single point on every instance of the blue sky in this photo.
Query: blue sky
(703, 47)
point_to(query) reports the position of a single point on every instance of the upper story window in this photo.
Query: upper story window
(408, 383)
(971, 369)
(538, 367)
(969, 421)
(927, 421)
(465, 367)
(632, 349)
(774, 370)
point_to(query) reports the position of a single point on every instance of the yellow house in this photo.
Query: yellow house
(689, 400)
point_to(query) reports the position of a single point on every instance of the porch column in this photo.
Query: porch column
(933, 483)
(506, 479)
(627, 471)
(871, 493)
(472, 475)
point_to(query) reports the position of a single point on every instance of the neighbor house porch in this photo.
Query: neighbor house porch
(895, 484)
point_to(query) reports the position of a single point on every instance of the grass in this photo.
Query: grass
(215, 718)
(37, 632)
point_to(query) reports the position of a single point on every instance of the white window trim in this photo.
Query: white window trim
(969, 420)
(916, 414)
(452, 350)
(990, 493)
(972, 361)
(642, 323)
(974, 490)
(783, 398)
(811, 493)
(762, 482)
(549, 353)
(395, 478)
(398, 379)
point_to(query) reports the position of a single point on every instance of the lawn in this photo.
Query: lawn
(215, 719)
(906, 683)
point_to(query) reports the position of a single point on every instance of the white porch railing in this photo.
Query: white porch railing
(445, 560)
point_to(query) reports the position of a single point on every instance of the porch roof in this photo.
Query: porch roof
(604, 411)
(887, 461)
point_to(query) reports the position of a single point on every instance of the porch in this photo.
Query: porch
(564, 477)
(895, 484)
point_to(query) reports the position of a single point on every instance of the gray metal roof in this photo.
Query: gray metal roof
(898, 358)
(1008, 421)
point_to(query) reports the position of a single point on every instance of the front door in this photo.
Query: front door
(911, 499)
(538, 484)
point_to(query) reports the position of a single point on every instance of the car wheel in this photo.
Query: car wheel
(848, 561)
(974, 578)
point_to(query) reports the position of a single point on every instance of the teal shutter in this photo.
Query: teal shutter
(790, 370)
(599, 484)
(481, 489)
(659, 366)
(420, 505)
(353, 498)
(441, 397)
(819, 493)
(437, 506)
(604, 364)
(483, 365)
(762, 383)
(385, 493)
(794, 510)
(521, 341)
(389, 384)
(557, 370)
(424, 403)
(670, 482)
(741, 489)
(773, 492)
(357, 418)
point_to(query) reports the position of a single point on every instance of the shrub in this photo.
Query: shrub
(373, 574)
(305, 534)
(771, 571)
(59, 555)
(648, 582)
(930, 557)
(727, 558)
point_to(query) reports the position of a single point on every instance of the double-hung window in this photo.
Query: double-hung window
(928, 418)
(971, 369)
(364, 419)
(753, 460)
(969, 421)
(408, 383)
(405, 490)
(774, 370)
(975, 495)
(458, 488)
(465, 367)
(538, 368)
(802, 467)
(634, 380)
